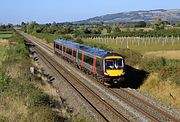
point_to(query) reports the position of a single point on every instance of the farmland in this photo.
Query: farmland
(141, 44)
(5, 34)
(171, 54)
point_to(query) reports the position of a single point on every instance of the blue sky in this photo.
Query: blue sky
(45, 11)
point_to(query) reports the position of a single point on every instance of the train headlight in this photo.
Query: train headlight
(123, 73)
(106, 73)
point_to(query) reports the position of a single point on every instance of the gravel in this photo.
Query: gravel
(171, 110)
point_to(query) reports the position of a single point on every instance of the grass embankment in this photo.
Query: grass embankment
(22, 99)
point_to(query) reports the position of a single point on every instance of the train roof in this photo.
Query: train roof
(91, 50)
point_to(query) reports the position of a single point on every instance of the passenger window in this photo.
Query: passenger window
(57, 46)
(74, 53)
(69, 51)
(88, 59)
(60, 47)
(80, 56)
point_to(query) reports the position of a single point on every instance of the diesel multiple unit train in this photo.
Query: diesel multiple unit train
(106, 67)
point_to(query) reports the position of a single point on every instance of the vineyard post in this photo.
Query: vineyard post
(127, 46)
(138, 40)
(149, 41)
(166, 40)
(122, 40)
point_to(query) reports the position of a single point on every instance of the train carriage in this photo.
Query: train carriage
(107, 67)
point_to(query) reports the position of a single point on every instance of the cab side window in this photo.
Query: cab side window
(57, 46)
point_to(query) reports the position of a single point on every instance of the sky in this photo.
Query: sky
(48, 11)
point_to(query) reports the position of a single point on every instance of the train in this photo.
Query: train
(107, 67)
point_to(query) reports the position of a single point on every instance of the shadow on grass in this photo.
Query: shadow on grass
(134, 78)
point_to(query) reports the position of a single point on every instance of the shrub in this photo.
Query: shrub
(170, 73)
(153, 64)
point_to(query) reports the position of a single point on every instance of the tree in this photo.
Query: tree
(140, 24)
(159, 25)
(87, 31)
(23, 23)
(108, 28)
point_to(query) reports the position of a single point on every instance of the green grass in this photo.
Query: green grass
(5, 34)
(49, 38)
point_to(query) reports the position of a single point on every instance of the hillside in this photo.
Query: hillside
(134, 16)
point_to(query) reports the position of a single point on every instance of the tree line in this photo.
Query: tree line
(159, 28)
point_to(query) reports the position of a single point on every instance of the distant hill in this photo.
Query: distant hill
(134, 16)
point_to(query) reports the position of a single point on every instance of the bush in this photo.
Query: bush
(153, 64)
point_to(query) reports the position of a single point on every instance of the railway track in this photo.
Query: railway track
(104, 109)
(147, 109)
(150, 111)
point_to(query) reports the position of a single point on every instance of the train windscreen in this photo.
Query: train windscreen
(114, 63)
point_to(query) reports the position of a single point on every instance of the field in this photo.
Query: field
(171, 54)
(5, 34)
(140, 44)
